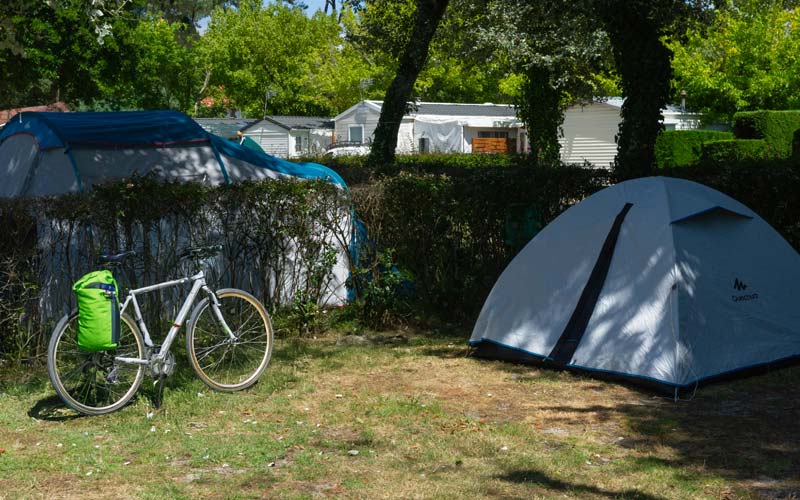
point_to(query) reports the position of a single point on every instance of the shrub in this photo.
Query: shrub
(280, 240)
(775, 127)
(454, 234)
(736, 150)
(354, 171)
(678, 148)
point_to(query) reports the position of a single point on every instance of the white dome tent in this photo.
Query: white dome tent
(660, 280)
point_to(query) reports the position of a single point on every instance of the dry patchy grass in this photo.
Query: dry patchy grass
(420, 420)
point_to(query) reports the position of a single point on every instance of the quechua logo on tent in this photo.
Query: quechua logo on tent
(740, 286)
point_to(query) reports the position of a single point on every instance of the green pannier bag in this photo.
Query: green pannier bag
(98, 312)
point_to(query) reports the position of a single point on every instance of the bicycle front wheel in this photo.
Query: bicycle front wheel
(230, 362)
(94, 383)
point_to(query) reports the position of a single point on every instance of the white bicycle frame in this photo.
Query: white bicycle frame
(198, 283)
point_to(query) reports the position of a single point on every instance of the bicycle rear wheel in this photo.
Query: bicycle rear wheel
(93, 383)
(223, 362)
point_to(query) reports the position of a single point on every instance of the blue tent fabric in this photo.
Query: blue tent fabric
(146, 129)
(125, 128)
(301, 170)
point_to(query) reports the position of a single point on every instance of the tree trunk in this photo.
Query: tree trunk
(644, 63)
(412, 60)
(541, 110)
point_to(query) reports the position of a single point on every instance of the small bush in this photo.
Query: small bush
(775, 127)
(678, 148)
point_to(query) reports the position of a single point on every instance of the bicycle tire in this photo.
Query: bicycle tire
(84, 380)
(226, 364)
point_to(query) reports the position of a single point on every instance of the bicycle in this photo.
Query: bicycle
(229, 341)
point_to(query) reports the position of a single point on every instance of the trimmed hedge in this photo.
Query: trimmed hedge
(354, 171)
(454, 234)
(775, 127)
(736, 150)
(678, 148)
(271, 233)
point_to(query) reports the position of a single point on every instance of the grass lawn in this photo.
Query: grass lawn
(411, 420)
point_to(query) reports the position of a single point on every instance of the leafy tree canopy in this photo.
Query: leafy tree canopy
(746, 58)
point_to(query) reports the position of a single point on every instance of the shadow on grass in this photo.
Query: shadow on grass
(553, 485)
(52, 409)
(746, 430)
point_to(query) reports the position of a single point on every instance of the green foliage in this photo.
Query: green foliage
(678, 148)
(21, 340)
(542, 110)
(452, 232)
(151, 70)
(274, 57)
(745, 59)
(636, 29)
(279, 240)
(735, 150)
(381, 288)
(355, 170)
(459, 68)
(560, 56)
(796, 144)
(777, 128)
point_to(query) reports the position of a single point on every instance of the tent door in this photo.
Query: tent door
(568, 342)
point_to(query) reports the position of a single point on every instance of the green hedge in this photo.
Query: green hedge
(775, 127)
(678, 148)
(454, 234)
(736, 150)
(270, 232)
(354, 171)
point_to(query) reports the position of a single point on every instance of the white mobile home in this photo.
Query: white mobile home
(439, 127)
(291, 136)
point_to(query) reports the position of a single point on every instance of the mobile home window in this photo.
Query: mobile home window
(298, 144)
(355, 133)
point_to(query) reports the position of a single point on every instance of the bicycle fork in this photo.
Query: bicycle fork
(215, 308)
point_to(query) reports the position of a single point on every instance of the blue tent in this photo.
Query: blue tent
(54, 153)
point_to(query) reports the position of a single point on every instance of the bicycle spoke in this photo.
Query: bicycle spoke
(227, 363)
(82, 379)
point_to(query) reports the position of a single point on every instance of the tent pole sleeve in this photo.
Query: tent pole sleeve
(221, 165)
(568, 342)
(68, 151)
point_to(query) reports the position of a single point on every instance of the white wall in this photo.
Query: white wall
(361, 115)
(368, 118)
(405, 138)
(589, 134)
(273, 139)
